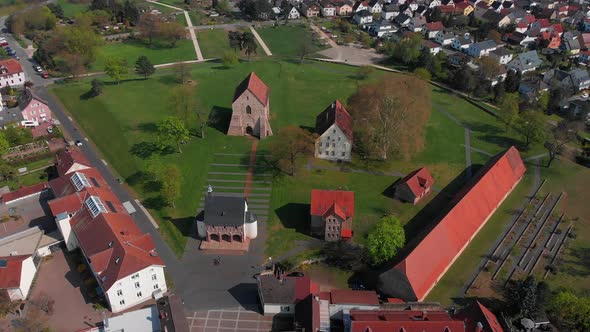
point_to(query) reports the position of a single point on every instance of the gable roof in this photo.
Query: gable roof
(12, 67)
(473, 205)
(348, 296)
(10, 274)
(418, 181)
(335, 114)
(256, 86)
(285, 290)
(67, 158)
(26, 97)
(404, 321)
(477, 313)
(224, 209)
(435, 26)
(324, 200)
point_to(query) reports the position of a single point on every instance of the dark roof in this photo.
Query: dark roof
(174, 318)
(253, 83)
(287, 290)
(307, 313)
(335, 114)
(224, 210)
(476, 314)
(26, 97)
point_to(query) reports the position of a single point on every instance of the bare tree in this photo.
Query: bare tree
(565, 132)
(183, 72)
(149, 27)
(390, 116)
(290, 143)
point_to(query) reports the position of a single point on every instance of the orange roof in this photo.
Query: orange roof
(10, 271)
(335, 114)
(404, 320)
(67, 158)
(346, 233)
(347, 296)
(12, 66)
(477, 313)
(476, 202)
(341, 202)
(254, 84)
(23, 192)
(418, 181)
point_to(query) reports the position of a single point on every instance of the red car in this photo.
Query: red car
(44, 74)
(4, 44)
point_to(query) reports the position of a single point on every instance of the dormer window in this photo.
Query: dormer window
(80, 181)
(111, 244)
(95, 206)
(117, 260)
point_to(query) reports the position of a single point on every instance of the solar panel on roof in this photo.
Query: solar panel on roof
(3, 262)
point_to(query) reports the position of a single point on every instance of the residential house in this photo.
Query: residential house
(462, 42)
(583, 57)
(551, 39)
(414, 186)
(359, 6)
(251, 109)
(433, 28)
(464, 8)
(89, 216)
(417, 23)
(444, 37)
(34, 111)
(556, 77)
(416, 275)
(458, 59)
(502, 55)
(310, 9)
(587, 25)
(434, 3)
(343, 8)
(375, 6)
(334, 129)
(16, 276)
(328, 9)
(402, 20)
(279, 294)
(382, 28)
(573, 46)
(293, 14)
(541, 24)
(11, 73)
(525, 62)
(226, 222)
(390, 11)
(431, 46)
(482, 48)
(363, 17)
(521, 27)
(331, 214)
(531, 88)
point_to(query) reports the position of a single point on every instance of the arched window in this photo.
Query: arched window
(248, 109)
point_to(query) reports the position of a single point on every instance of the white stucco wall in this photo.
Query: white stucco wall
(66, 231)
(333, 141)
(129, 291)
(27, 275)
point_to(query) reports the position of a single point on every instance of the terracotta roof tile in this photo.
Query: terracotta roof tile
(23, 192)
(418, 181)
(67, 158)
(12, 66)
(404, 320)
(323, 200)
(335, 114)
(10, 275)
(254, 84)
(347, 296)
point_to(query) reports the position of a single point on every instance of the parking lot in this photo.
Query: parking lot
(236, 319)
(32, 211)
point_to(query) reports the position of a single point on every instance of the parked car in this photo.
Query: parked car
(50, 130)
(45, 74)
(38, 69)
(78, 143)
(3, 43)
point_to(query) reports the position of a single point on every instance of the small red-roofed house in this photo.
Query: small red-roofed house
(414, 186)
(331, 214)
(251, 109)
(479, 318)
(16, 276)
(334, 127)
(11, 73)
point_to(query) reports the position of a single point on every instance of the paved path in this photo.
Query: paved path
(321, 33)
(189, 24)
(261, 42)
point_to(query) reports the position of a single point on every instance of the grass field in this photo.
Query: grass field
(213, 43)
(130, 50)
(72, 9)
(285, 40)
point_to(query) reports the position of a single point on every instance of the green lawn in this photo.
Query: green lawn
(72, 9)
(130, 50)
(213, 43)
(285, 40)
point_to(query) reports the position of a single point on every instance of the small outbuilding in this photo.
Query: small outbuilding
(414, 186)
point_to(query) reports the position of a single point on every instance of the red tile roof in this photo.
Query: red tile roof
(256, 86)
(418, 181)
(477, 313)
(557, 28)
(67, 158)
(12, 66)
(346, 233)
(324, 200)
(335, 114)
(11, 274)
(347, 296)
(24, 192)
(435, 26)
(544, 23)
(304, 287)
(476, 202)
(404, 320)
(530, 18)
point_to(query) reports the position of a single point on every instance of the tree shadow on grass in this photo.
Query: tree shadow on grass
(148, 127)
(144, 150)
(137, 178)
(155, 202)
(502, 141)
(295, 216)
(390, 190)
(219, 118)
(577, 263)
(184, 225)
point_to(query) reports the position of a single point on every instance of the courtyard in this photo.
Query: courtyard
(28, 212)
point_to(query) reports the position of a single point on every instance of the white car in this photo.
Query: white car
(78, 143)
(38, 69)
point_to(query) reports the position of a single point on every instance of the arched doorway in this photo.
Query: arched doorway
(237, 238)
(226, 237)
(249, 130)
(214, 237)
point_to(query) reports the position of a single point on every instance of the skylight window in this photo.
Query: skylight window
(95, 206)
(80, 181)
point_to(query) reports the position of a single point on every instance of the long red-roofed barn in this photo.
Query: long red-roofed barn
(415, 276)
(251, 109)
(90, 217)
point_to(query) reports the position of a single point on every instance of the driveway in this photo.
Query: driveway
(59, 281)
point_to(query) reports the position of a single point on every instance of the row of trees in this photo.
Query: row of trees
(243, 41)
(151, 28)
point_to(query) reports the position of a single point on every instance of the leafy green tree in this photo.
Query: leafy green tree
(223, 7)
(570, 312)
(116, 68)
(4, 144)
(499, 92)
(171, 184)
(144, 67)
(385, 240)
(512, 81)
(543, 101)
(96, 86)
(172, 130)
(530, 125)
(508, 109)
(235, 40)
(363, 72)
(249, 44)
(423, 73)
(17, 135)
(230, 58)
(56, 9)
(407, 50)
(172, 32)
(182, 101)
(7, 171)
